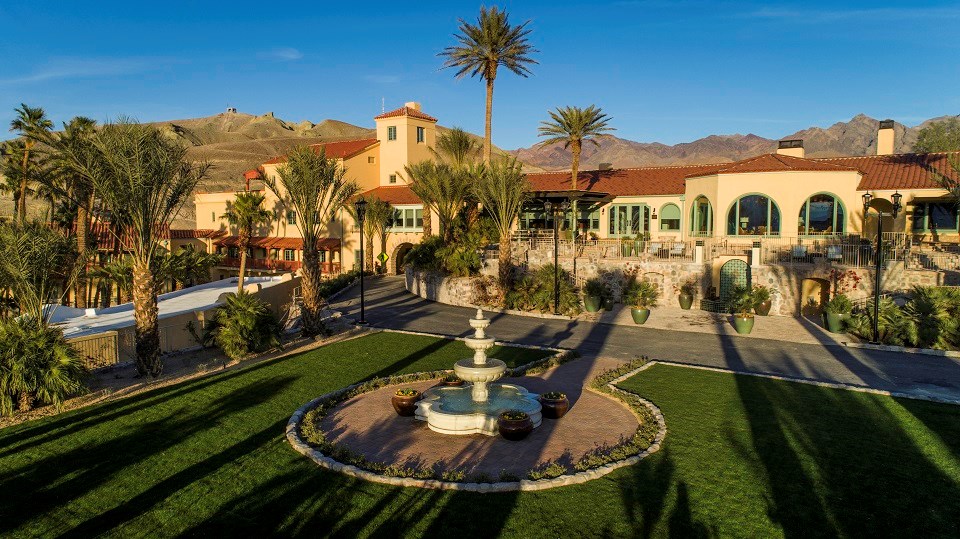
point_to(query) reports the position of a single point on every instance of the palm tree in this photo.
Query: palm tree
(482, 48)
(316, 188)
(117, 275)
(502, 190)
(246, 213)
(38, 264)
(456, 148)
(144, 178)
(442, 189)
(572, 126)
(376, 221)
(30, 122)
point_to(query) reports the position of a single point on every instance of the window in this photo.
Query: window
(213, 216)
(701, 217)
(392, 132)
(371, 160)
(291, 217)
(629, 219)
(393, 178)
(289, 255)
(409, 219)
(821, 215)
(233, 252)
(421, 134)
(935, 217)
(589, 220)
(670, 218)
(753, 215)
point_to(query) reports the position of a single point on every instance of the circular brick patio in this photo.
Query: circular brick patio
(368, 425)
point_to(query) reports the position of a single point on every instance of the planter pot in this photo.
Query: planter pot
(592, 303)
(743, 324)
(686, 301)
(763, 309)
(448, 383)
(640, 315)
(405, 406)
(554, 408)
(514, 429)
(836, 322)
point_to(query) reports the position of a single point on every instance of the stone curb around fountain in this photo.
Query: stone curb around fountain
(293, 437)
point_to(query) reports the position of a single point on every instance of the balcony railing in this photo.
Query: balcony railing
(840, 250)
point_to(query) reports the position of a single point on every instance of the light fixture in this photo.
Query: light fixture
(896, 197)
(867, 197)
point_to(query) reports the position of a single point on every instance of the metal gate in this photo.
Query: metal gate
(733, 273)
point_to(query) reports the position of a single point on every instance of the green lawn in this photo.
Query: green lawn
(744, 456)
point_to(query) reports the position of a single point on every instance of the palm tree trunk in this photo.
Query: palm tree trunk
(244, 244)
(80, 288)
(503, 271)
(310, 287)
(368, 254)
(22, 202)
(427, 221)
(145, 318)
(487, 132)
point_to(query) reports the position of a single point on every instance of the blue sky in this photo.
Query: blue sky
(666, 71)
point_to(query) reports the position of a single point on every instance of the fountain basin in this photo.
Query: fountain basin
(469, 371)
(452, 410)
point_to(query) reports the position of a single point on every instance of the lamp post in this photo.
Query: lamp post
(556, 210)
(894, 209)
(361, 207)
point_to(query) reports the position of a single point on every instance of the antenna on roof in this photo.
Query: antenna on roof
(383, 105)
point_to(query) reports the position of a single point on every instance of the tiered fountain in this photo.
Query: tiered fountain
(474, 407)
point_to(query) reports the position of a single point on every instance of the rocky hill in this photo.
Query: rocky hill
(856, 137)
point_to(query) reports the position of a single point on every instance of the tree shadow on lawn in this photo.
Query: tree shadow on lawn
(838, 462)
(38, 487)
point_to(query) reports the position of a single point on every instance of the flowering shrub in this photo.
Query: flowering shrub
(407, 392)
(514, 415)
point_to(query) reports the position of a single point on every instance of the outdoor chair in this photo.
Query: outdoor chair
(799, 252)
(834, 253)
(677, 250)
(655, 248)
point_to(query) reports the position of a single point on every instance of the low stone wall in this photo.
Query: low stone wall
(441, 288)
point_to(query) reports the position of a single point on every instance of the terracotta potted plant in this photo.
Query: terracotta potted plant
(762, 301)
(451, 380)
(686, 292)
(741, 305)
(641, 295)
(405, 401)
(593, 293)
(554, 404)
(837, 312)
(514, 425)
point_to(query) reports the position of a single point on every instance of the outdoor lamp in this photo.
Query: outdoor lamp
(896, 197)
(867, 197)
(548, 206)
(361, 207)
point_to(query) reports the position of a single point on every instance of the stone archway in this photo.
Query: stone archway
(395, 265)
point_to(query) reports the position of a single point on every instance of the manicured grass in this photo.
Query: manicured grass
(744, 456)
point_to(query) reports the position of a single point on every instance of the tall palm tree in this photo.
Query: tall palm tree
(30, 121)
(316, 188)
(484, 47)
(246, 213)
(38, 264)
(11, 168)
(503, 189)
(442, 189)
(376, 222)
(144, 178)
(571, 126)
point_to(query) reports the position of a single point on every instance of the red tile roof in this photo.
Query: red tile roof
(336, 150)
(771, 162)
(187, 233)
(398, 194)
(251, 174)
(406, 111)
(324, 244)
(624, 181)
(900, 171)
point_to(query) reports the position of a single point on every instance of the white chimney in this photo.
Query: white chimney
(793, 148)
(885, 138)
(412, 105)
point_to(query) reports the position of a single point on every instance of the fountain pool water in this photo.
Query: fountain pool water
(474, 407)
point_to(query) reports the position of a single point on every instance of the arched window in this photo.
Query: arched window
(753, 215)
(821, 215)
(701, 217)
(670, 218)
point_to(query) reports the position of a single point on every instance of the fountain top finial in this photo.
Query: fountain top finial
(479, 313)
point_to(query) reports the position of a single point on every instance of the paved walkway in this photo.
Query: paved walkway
(368, 425)
(784, 328)
(389, 305)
